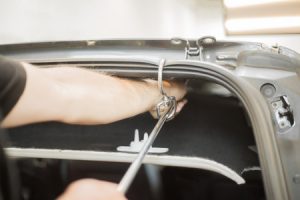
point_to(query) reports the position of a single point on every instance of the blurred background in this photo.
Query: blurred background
(268, 21)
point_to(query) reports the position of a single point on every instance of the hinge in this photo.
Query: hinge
(193, 48)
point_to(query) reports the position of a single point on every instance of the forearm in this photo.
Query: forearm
(98, 99)
(79, 96)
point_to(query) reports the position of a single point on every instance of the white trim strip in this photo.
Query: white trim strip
(164, 160)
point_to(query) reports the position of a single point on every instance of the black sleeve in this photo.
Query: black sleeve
(12, 83)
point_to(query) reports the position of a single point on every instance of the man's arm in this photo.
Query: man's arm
(79, 96)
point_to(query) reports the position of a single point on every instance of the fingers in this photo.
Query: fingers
(172, 88)
(153, 113)
(92, 189)
(180, 105)
(176, 89)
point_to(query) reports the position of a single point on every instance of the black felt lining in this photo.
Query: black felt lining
(211, 127)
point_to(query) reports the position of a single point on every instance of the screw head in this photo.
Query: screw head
(208, 40)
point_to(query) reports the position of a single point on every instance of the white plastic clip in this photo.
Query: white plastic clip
(137, 144)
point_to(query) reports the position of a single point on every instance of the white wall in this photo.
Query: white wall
(40, 20)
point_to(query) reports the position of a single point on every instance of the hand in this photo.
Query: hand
(179, 106)
(176, 89)
(91, 189)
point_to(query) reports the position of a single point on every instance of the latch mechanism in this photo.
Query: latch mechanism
(283, 113)
(193, 48)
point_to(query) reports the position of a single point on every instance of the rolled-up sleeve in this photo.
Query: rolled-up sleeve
(12, 84)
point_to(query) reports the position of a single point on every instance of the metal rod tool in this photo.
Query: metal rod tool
(166, 110)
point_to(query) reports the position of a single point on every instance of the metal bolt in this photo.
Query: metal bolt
(208, 40)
